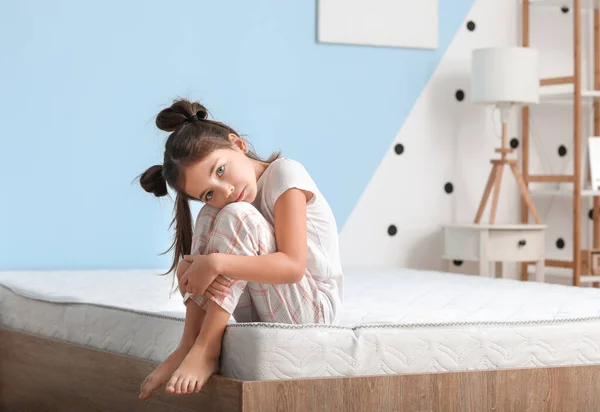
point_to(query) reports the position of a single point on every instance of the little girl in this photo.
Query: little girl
(264, 246)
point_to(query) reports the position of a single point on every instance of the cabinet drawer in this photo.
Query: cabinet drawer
(516, 245)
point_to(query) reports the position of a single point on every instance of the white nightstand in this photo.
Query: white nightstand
(496, 243)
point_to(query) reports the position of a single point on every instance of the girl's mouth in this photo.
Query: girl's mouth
(241, 195)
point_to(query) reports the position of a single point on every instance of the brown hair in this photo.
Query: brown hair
(193, 137)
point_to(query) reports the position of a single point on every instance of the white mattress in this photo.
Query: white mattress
(126, 312)
(394, 321)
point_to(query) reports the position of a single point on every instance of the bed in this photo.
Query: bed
(422, 340)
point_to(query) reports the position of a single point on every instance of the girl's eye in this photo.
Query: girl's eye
(220, 171)
(208, 196)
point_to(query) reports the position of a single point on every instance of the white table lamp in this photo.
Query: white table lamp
(504, 77)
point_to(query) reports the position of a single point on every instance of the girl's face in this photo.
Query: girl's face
(224, 176)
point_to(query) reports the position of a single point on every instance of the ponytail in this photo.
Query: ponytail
(182, 240)
(152, 181)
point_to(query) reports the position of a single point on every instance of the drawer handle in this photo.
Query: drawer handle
(522, 242)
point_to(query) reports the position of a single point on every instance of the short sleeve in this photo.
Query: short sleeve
(287, 174)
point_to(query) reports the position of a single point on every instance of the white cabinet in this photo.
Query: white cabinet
(496, 243)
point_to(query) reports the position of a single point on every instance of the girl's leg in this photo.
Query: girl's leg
(202, 360)
(240, 229)
(194, 317)
(194, 314)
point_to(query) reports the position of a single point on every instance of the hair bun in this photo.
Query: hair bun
(153, 181)
(202, 114)
(180, 113)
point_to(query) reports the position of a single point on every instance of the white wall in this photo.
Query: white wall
(446, 140)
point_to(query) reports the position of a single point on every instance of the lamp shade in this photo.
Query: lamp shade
(505, 75)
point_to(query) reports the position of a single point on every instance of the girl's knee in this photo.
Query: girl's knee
(205, 217)
(237, 210)
(207, 210)
(240, 229)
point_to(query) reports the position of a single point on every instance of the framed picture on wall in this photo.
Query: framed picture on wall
(594, 154)
(391, 23)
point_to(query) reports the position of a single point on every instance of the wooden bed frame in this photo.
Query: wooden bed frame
(40, 374)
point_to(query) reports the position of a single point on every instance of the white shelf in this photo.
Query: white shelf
(585, 4)
(563, 192)
(566, 96)
(554, 273)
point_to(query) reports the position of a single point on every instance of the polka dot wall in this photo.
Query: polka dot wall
(438, 164)
(557, 211)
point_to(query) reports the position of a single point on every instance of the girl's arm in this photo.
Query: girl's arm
(288, 264)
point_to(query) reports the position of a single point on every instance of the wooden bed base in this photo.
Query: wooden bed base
(40, 374)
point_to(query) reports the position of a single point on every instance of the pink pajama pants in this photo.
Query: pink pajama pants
(240, 229)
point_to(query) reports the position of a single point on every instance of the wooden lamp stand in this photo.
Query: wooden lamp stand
(495, 178)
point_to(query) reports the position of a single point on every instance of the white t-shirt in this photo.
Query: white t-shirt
(323, 258)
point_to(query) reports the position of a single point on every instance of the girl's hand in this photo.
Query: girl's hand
(220, 288)
(201, 277)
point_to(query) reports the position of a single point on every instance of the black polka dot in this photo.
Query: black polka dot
(457, 262)
(471, 25)
(460, 95)
(562, 150)
(399, 149)
(591, 214)
(564, 9)
(392, 230)
(448, 187)
(514, 142)
(560, 243)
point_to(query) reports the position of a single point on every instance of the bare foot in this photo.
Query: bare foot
(162, 372)
(193, 372)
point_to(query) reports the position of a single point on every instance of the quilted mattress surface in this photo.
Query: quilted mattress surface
(126, 312)
(394, 321)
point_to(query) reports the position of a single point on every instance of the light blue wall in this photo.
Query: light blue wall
(80, 84)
